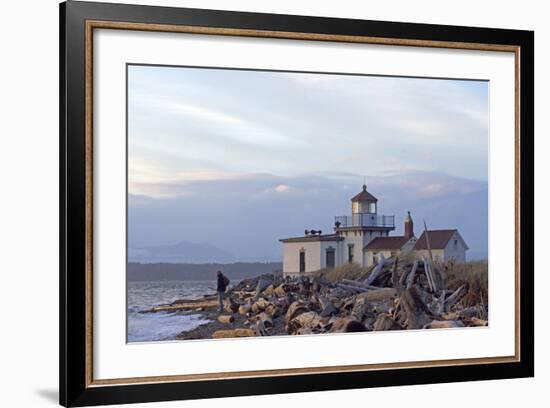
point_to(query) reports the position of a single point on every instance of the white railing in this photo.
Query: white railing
(365, 220)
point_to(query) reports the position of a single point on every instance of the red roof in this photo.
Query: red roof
(380, 243)
(438, 239)
(364, 195)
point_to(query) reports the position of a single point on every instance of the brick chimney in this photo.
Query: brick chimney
(409, 227)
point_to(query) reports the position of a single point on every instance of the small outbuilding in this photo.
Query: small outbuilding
(446, 245)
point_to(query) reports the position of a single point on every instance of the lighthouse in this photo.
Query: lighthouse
(363, 225)
(363, 237)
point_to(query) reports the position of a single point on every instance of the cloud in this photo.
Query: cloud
(282, 188)
(243, 158)
(286, 123)
(246, 216)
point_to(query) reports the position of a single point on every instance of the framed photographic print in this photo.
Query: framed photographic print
(256, 203)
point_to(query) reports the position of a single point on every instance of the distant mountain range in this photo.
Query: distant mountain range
(174, 271)
(181, 252)
(255, 217)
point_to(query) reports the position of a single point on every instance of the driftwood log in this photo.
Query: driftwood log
(352, 288)
(417, 314)
(226, 319)
(361, 285)
(188, 305)
(260, 329)
(456, 296)
(395, 277)
(306, 320)
(230, 305)
(294, 310)
(259, 305)
(474, 321)
(412, 274)
(376, 295)
(385, 322)
(443, 324)
(376, 271)
(265, 319)
(327, 307)
(245, 309)
(226, 334)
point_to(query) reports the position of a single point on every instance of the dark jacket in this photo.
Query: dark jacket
(221, 284)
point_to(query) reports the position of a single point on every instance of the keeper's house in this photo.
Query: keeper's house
(361, 238)
(446, 245)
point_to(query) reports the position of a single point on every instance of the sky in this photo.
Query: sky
(239, 159)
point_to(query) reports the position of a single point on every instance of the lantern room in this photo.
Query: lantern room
(364, 202)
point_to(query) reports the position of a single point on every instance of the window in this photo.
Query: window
(330, 259)
(350, 253)
(456, 244)
(302, 261)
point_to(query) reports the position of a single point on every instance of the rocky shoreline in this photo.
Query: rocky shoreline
(394, 295)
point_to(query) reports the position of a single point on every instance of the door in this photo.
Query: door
(330, 258)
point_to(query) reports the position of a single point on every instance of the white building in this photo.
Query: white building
(352, 233)
(446, 245)
(361, 238)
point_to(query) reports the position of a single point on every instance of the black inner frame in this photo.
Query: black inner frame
(73, 391)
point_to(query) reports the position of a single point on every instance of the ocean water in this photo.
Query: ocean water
(163, 325)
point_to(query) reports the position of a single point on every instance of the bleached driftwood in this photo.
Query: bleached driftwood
(440, 306)
(188, 305)
(226, 319)
(474, 321)
(376, 271)
(226, 334)
(327, 307)
(358, 284)
(260, 329)
(456, 296)
(443, 324)
(395, 277)
(417, 314)
(377, 295)
(266, 319)
(385, 322)
(403, 277)
(428, 273)
(294, 310)
(352, 288)
(245, 308)
(412, 274)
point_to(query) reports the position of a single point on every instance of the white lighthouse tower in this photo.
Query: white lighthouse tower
(314, 251)
(362, 226)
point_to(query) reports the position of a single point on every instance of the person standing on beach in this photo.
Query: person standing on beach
(223, 282)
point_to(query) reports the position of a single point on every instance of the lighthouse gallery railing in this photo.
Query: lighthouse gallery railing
(365, 220)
